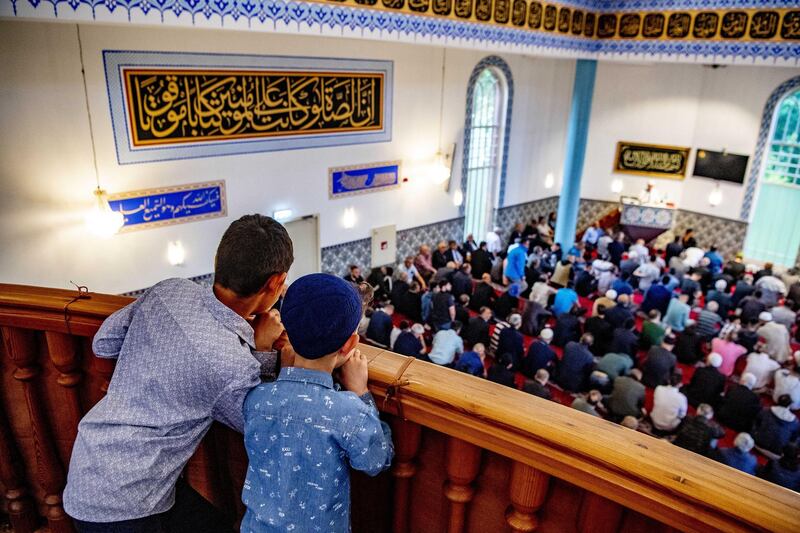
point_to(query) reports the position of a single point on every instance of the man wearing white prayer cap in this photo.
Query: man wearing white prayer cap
(776, 338)
(608, 301)
(788, 382)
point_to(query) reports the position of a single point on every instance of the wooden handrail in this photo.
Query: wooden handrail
(651, 476)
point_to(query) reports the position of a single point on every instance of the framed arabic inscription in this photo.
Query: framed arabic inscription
(359, 179)
(175, 106)
(651, 160)
(165, 206)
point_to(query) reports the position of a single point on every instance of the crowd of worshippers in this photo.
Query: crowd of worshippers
(470, 305)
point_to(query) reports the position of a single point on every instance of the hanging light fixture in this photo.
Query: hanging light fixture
(101, 220)
(440, 169)
(616, 186)
(458, 198)
(715, 198)
(549, 181)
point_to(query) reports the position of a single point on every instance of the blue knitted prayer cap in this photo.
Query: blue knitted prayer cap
(320, 312)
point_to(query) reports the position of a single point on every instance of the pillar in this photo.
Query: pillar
(577, 133)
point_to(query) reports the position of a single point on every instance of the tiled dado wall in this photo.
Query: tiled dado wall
(727, 234)
(337, 258)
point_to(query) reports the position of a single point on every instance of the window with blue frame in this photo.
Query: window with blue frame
(485, 144)
(774, 232)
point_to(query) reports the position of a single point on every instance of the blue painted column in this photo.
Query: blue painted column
(577, 133)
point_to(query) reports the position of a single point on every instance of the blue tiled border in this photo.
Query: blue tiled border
(499, 64)
(297, 16)
(115, 60)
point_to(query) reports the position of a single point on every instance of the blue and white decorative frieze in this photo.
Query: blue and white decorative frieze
(168, 106)
(381, 23)
(359, 179)
(647, 216)
(170, 205)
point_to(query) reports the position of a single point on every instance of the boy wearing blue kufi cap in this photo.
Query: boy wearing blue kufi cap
(301, 434)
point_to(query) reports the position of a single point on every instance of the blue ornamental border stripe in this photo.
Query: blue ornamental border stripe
(303, 17)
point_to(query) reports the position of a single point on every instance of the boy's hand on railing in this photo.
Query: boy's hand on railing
(268, 328)
(355, 374)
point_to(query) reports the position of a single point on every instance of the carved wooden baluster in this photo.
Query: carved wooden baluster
(20, 508)
(105, 368)
(406, 446)
(463, 463)
(21, 347)
(528, 490)
(62, 352)
(599, 515)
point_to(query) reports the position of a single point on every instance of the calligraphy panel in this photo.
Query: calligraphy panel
(519, 13)
(535, 15)
(653, 25)
(359, 179)
(170, 205)
(791, 25)
(629, 25)
(764, 25)
(651, 160)
(564, 16)
(734, 25)
(173, 108)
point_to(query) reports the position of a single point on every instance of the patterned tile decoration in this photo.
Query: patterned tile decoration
(764, 133)
(727, 234)
(499, 64)
(337, 258)
(719, 31)
(508, 217)
(593, 210)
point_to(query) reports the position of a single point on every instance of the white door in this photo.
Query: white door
(304, 233)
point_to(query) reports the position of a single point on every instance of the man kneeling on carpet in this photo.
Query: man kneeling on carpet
(301, 433)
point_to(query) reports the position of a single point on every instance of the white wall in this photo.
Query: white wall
(46, 174)
(681, 105)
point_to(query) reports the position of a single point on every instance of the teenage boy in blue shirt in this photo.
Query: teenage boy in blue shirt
(302, 435)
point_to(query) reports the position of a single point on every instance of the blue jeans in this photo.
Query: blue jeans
(191, 514)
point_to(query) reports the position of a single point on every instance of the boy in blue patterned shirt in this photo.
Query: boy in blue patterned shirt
(302, 434)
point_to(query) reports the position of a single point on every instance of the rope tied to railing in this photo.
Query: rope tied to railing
(393, 390)
(83, 294)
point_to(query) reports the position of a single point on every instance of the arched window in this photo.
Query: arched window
(774, 232)
(488, 118)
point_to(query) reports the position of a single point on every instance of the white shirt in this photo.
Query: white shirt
(693, 257)
(641, 252)
(777, 338)
(669, 407)
(762, 367)
(541, 292)
(493, 243)
(393, 336)
(787, 382)
(647, 274)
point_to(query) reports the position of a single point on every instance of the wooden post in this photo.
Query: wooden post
(463, 464)
(406, 446)
(62, 352)
(528, 491)
(20, 508)
(21, 347)
(599, 515)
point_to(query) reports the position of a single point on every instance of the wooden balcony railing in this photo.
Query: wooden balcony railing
(471, 455)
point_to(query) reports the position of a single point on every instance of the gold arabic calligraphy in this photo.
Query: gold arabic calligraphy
(652, 161)
(179, 106)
